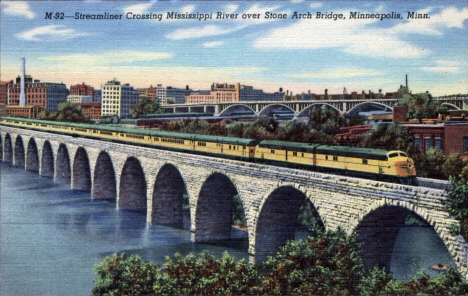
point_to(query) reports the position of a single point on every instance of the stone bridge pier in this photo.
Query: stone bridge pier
(155, 182)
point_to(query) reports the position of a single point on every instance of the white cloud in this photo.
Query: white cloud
(50, 33)
(215, 30)
(197, 32)
(297, 1)
(108, 58)
(445, 66)
(19, 8)
(315, 4)
(138, 8)
(448, 18)
(351, 36)
(231, 8)
(337, 73)
(188, 9)
(212, 44)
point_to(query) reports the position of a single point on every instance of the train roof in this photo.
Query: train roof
(147, 132)
(378, 154)
(292, 146)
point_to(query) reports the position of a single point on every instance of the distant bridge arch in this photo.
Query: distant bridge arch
(230, 109)
(267, 110)
(305, 111)
(359, 106)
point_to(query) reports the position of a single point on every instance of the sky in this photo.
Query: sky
(298, 55)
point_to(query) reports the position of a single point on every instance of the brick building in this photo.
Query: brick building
(91, 110)
(4, 85)
(30, 111)
(82, 90)
(44, 94)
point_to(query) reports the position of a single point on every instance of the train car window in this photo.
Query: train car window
(272, 151)
(243, 147)
(393, 155)
(335, 158)
(364, 161)
(294, 153)
(302, 154)
(326, 157)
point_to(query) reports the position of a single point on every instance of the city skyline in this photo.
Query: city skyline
(296, 54)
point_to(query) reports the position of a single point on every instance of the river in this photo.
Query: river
(52, 236)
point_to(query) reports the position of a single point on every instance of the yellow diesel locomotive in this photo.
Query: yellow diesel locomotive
(379, 164)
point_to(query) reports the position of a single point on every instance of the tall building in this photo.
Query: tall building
(171, 94)
(223, 92)
(97, 96)
(117, 99)
(4, 86)
(45, 94)
(82, 90)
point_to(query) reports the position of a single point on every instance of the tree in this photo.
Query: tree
(144, 106)
(123, 275)
(453, 166)
(457, 204)
(204, 275)
(66, 111)
(421, 106)
(327, 264)
(431, 164)
(324, 119)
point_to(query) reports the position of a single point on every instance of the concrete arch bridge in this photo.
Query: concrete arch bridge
(154, 181)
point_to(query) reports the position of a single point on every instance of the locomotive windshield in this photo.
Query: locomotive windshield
(393, 155)
(403, 154)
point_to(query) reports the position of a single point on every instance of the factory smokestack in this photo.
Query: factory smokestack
(406, 81)
(22, 101)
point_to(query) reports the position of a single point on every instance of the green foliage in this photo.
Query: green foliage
(431, 164)
(114, 119)
(122, 275)
(457, 204)
(453, 166)
(421, 106)
(66, 111)
(389, 136)
(327, 264)
(308, 216)
(238, 213)
(324, 119)
(144, 106)
(204, 275)
(294, 131)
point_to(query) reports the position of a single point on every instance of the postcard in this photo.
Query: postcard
(234, 134)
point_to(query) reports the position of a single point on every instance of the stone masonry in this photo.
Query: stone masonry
(154, 181)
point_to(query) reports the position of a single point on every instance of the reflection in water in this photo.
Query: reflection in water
(52, 236)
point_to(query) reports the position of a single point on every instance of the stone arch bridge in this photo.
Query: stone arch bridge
(154, 181)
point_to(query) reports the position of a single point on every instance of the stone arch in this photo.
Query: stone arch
(81, 171)
(32, 162)
(277, 220)
(132, 191)
(104, 181)
(47, 160)
(378, 231)
(8, 149)
(63, 171)
(214, 209)
(19, 152)
(168, 197)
